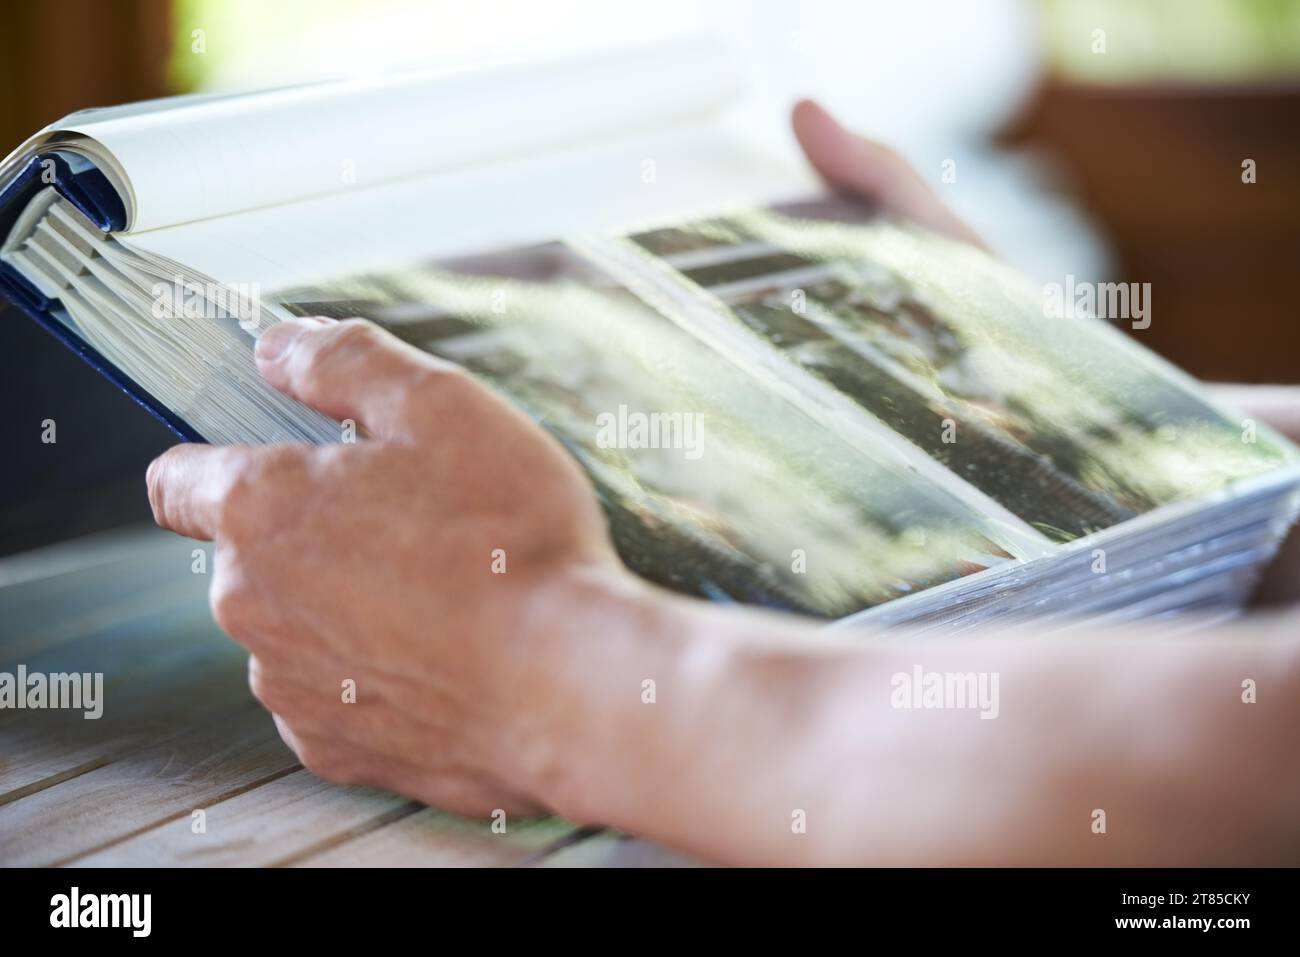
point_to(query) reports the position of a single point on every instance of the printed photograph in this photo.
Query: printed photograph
(1066, 426)
(740, 498)
(749, 434)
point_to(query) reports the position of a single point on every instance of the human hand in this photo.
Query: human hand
(873, 172)
(378, 563)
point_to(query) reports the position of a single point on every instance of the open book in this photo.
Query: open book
(780, 398)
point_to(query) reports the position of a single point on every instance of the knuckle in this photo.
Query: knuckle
(268, 693)
(278, 469)
(227, 613)
(271, 465)
(254, 487)
(236, 501)
(439, 389)
(321, 760)
(357, 329)
(231, 606)
(330, 463)
(344, 338)
(312, 757)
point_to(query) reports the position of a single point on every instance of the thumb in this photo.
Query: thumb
(873, 172)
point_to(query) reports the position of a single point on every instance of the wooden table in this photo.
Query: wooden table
(181, 733)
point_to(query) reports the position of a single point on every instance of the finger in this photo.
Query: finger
(287, 736)
(188, 484)
(872, 172)
(349, 370)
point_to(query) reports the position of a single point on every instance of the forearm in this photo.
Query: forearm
(674, 725)
(766, 742)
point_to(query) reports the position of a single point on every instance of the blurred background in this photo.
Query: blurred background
(1103, 139)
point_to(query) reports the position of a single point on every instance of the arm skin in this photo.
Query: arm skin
(757, 717)
(524, 691)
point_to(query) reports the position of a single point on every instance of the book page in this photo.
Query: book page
(193, 159)
(684, 171)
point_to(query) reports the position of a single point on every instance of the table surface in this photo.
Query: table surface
(181, 732)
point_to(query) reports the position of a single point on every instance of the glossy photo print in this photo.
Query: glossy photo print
(1057, 419)
(754, 433)
(712, 484)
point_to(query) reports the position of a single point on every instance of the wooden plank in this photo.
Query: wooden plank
(49, 599)
(50, 747)
(215, 760)
(126, 605)
(432, 838)
(132, 543)
(281, 820)
(150, 691)
(149, 645)
(46, 630)
(142, 633)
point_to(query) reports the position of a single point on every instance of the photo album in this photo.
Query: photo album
(781, 397)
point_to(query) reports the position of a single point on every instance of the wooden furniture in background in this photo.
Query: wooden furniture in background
(1161, 168)
(59, 57)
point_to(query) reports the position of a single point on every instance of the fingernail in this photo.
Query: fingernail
(276, 341)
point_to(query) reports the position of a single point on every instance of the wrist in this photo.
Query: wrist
(605, 646)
